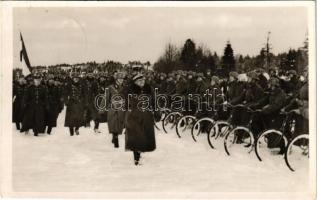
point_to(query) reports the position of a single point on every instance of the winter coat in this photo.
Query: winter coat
(303, 96)
(254, 92)
(116, 112)
(140, 135)
(100, 115)
(75, 104)
(180, 87)
(275, 102)
(170, 89)
(90, 89)
(54, 105)
(35, 106)
(17, 107)
(236, 92)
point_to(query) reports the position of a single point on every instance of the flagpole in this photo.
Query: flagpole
(25, 62)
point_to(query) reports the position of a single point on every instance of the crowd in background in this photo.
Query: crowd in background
(39, 98)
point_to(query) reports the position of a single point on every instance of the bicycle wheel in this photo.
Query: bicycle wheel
(201, 126)
(170, 120)
(164, 112)
(270, 142)
(239, 140)
(297, 153)
(184, 125)
(217, 132)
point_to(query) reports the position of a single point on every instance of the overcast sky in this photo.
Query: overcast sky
(71, 35)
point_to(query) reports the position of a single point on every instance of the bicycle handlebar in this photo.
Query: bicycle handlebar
(241, 105)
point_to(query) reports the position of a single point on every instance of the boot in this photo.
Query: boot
(17, 124)
(71, 131)
(115, 141)
(49, 130)
(36, 133)
(137, 157)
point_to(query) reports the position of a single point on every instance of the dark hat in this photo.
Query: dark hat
(137, 77)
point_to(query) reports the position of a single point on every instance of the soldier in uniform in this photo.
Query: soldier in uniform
(236, 89)
(35, 106)
(54, 104)
(116, 108)
(254, 92)
(100, 115)
(75, 103)
(19, 88)
(90, 87)
(208, 76)
(269, 107)
(180, 87)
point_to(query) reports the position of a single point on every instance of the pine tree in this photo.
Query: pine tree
(188, 55)
(228, 61)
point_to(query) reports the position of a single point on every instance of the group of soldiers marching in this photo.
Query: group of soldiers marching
(39, 98)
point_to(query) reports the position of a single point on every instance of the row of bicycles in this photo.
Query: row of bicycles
(237, 130)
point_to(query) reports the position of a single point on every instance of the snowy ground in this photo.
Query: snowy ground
(89, 163)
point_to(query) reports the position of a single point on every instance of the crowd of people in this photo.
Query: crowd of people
(39, 98)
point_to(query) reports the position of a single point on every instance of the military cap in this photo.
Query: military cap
(234, 74)
(292, 72)
(215, 79)
(138, 77)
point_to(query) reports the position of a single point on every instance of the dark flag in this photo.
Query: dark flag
(26, 66)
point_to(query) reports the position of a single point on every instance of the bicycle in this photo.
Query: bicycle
(184, 123)
(170, 120)
(273, 138)
(240, 133)
(293, 155)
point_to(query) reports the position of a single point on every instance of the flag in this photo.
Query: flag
(24, 59)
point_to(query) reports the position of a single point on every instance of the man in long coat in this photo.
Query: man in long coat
(139, 119)
(54, 104)
(115, 115)
(75, 102)
(35, 106)
(19, 88)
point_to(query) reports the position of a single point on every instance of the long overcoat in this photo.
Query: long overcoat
(116, 109)
(139, 123)
(54, 105)
(35, 102)
(75, 104)
(18, 94)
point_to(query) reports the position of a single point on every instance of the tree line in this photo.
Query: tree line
(200, 59)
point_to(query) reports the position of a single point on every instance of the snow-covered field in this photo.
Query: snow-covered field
(89, 163)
